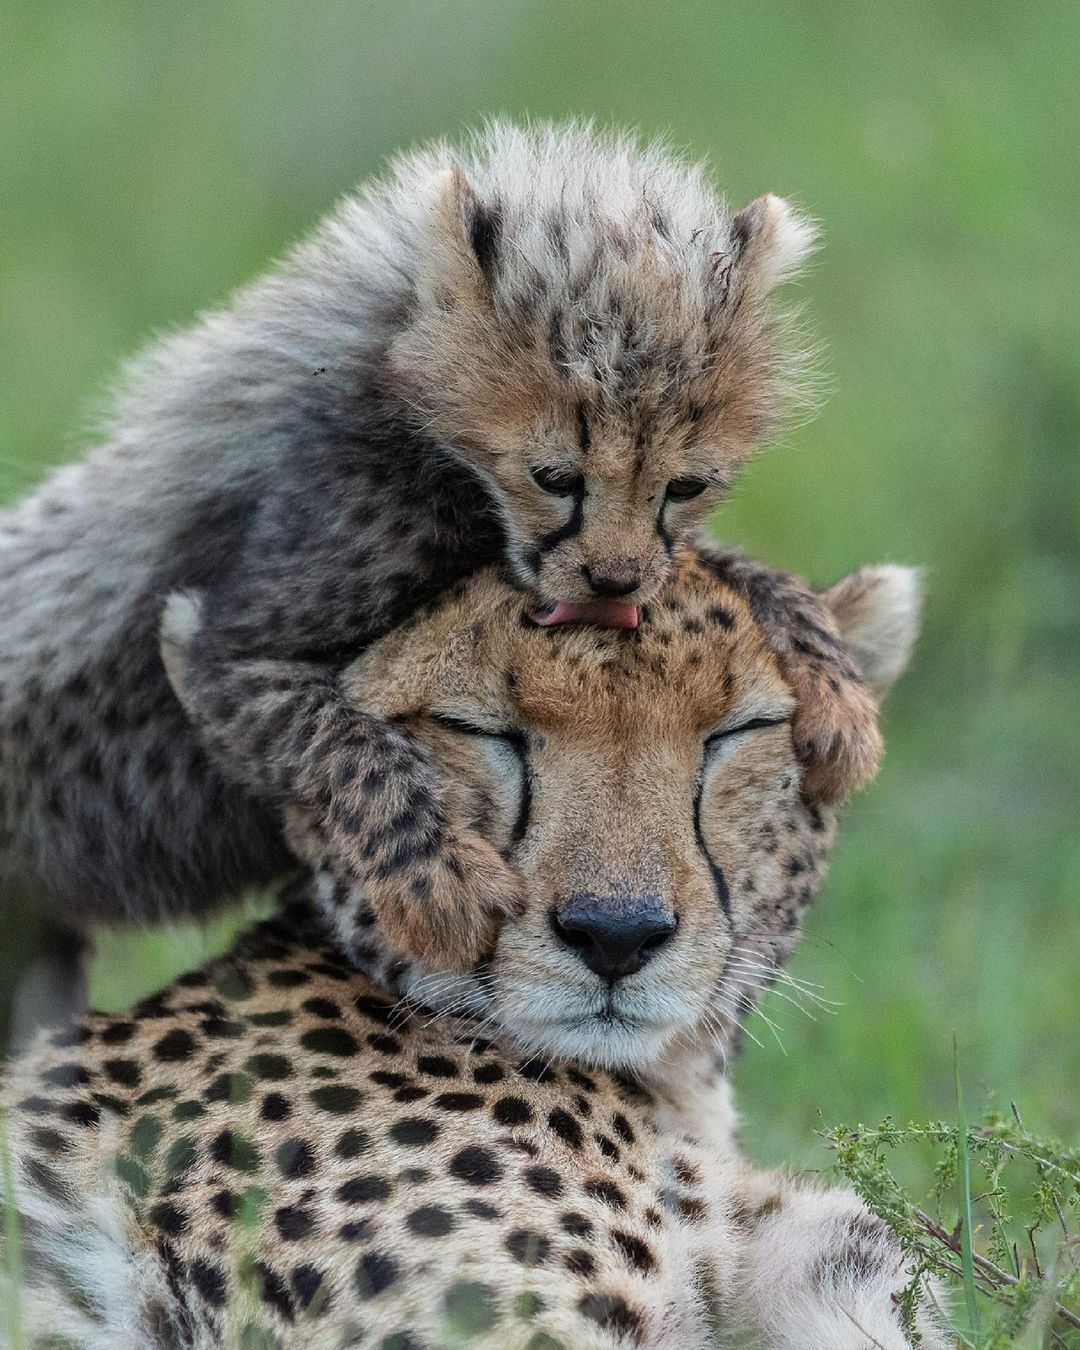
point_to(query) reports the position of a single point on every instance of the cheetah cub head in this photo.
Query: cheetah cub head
(645, 784)
(593, 333)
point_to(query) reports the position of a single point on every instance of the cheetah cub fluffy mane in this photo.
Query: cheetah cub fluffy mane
(317, 1141)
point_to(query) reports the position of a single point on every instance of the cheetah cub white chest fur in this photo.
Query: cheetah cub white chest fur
(315, 1141)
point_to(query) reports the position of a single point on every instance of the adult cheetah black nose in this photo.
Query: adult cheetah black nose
(614, 937)
(617, 577)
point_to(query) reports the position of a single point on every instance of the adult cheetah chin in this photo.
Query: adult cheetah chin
(320, 1140)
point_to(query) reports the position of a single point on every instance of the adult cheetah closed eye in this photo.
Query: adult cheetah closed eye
(318, 1141)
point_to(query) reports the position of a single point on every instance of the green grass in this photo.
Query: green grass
(155, 156)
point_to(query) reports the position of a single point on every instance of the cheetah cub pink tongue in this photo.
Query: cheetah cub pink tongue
(605, 613)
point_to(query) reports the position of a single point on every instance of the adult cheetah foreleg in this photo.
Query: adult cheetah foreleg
(820, 1272)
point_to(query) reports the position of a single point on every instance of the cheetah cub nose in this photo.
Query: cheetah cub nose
(618, 576)
(614, 937)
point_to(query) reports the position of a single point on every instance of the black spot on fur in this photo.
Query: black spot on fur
(169, 1218)
(375, 1273)
(329, 1041)
(477, 1166)
(272, 1067)
(362, 1190)
(605, 1190)
(612, 1313)
(438, 1066)
(337, 1099)
(175, 1046)
(577, 1225)
(566, 1127)
(352, 1144)
(294, 1222)
(414, 1131)
(489, 1073)
(544, 1181)
(458, 1101)
(295, 1158)
(307, 1282)
(485, 236)
(430, 1221)
(229, 1087)
(275, 1107)
(49, 1141)
(637, 1253)
(272, 1289)
(85, 1114)
(126, 1072)
(209, 1280)
(512, 1111)
(584, 439)
(580, 1262)
(233, 1150)
(66, 1076)
(527, 1247)
(118, 1033)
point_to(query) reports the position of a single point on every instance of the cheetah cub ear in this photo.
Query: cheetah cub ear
(770, 241)
(462, 246)
(877, 613)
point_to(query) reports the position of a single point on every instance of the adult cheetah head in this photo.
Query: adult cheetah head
(645, 784)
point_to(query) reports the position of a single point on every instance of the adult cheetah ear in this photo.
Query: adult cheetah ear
(462, 253)
(877, 612)
(769, 242)
(874, 615)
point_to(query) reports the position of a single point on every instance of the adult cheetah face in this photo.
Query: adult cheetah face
(646, 786)
(593, 335)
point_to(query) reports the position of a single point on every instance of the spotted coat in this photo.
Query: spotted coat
(316, 1140)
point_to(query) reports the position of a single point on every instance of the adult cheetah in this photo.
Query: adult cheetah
(316, 1141)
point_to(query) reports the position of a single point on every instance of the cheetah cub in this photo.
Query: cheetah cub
(318, 1141)
(550, 347)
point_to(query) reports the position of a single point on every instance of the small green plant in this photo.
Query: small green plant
(999, 1224)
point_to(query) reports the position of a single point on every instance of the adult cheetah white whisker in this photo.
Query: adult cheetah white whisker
(771, 979)
(749, 958)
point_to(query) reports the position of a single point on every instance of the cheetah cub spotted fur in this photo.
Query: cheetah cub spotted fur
(550, 347)
(320, 1141)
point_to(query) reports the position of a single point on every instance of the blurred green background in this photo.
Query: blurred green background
(154, 156)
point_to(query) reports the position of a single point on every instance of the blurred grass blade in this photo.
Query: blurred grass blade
(963, 1176)
(12, 1285)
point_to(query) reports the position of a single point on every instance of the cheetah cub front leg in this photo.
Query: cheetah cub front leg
(283, 729)
(820, 1272)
